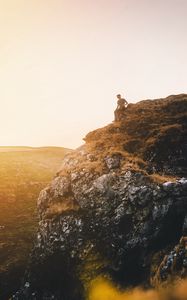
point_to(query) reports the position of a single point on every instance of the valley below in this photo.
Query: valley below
(24, 171)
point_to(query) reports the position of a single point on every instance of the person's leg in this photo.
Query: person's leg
(116, 115)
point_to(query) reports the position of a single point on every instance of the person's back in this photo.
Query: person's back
(121, 106)
(121, 103)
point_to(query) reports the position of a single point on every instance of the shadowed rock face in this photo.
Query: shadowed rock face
(174, 264)
(105, 213)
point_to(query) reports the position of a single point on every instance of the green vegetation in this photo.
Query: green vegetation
(24, 171)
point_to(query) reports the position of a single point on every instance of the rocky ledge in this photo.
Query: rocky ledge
(116, 208)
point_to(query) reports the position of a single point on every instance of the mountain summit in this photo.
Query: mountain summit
(116, 208)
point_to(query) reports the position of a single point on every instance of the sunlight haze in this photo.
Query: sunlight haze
(62, 63)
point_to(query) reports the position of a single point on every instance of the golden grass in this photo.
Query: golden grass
(61, 207)
(157, 178)
(146, 125)
(23, 174)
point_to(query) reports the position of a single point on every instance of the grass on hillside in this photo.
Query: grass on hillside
(24, 171)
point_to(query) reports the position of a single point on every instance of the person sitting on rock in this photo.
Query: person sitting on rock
(121, 106)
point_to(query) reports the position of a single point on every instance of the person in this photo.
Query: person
(121, 106)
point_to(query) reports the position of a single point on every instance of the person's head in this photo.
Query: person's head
(118, 96)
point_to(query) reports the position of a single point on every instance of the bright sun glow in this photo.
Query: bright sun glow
(62, 63)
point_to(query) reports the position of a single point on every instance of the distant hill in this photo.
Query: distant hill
(26, 148)
(24, 171)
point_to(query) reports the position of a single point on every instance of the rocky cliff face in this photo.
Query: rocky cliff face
(117, 207)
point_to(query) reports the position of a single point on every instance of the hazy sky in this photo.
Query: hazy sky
(62, 62)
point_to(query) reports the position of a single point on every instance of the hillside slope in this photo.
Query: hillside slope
(24, 171)
(117, 207)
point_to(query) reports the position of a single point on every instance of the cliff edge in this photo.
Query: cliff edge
(117, 208)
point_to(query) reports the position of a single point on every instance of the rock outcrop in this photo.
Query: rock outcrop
(118, 202)
(173, 265)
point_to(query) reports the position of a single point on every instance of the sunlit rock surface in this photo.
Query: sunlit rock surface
(118, 202)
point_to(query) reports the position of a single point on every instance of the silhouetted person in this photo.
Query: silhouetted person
(121, 106)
